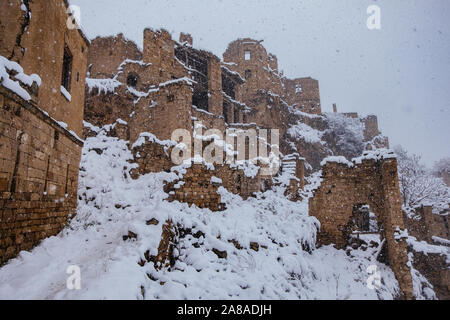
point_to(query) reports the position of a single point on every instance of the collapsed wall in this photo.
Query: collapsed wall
(370, 180)
(424, 225)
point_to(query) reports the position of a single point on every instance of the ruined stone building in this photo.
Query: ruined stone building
(40, 122)
(173, 87)
(348, 186)
(53, 78)
(372, 134)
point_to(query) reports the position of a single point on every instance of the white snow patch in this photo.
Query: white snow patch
(13, 85)
(66, 94)
(305, 132)
(103, 85)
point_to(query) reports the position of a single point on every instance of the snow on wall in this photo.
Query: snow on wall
(103, 85)
(28, 80)
(337, 159)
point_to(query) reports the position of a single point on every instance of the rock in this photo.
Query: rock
(165, 249)
(220, 254)
(254, 246)
(131, 235)
(236, 244)
(152, 222)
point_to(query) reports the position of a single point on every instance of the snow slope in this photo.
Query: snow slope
(111, 204)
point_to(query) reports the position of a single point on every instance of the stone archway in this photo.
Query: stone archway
(372, 180)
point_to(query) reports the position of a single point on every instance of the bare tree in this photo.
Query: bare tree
(442, 166)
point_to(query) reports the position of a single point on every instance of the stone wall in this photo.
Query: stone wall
(159, 51)
(250, 59)
(436, 270)
(106, 54)
(160, 100)
(371, 181)
(425, 225)
(199, 185)
(163, 111)
(445, 175)
(303, 94)
(196, 188)
(370, 127)
(40, 50)
(40, 148)
(38, 175)
(260, 69)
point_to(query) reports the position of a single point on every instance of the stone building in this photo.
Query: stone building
(174, 86)
(248, 57)
(372, 134)
(42, 71)
(371, 180)
(425, 224)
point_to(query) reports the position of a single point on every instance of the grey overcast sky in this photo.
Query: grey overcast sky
(400, 73)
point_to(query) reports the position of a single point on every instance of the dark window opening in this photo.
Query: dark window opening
(67, 69)
(55, 138)
(236, 115)
(200, 100)
(363, 219)
(132, 80)
(248, 74)
(198, 66)
(226, 109)
(170, 98)
(228, 86)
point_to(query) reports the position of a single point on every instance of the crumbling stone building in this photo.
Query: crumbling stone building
(248, 57)
(174, 87)
(347, 186)
(40, 121)
(425, 225)
(372, 134)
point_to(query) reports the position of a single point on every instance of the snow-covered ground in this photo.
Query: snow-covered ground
(111, 204)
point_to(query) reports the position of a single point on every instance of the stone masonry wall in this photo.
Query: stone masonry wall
(436, 270)
(40, 50)
(198, 187)
(303, 94)
(161, 100)
(259, 68)
(374, 183)
(370, 127)
(426, 224)
(38, 175)
(106, 54)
